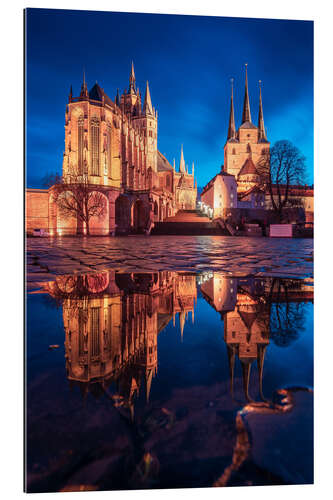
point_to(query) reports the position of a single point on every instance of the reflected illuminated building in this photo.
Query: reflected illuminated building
(111, 323)
(245, 314)
(248, 308)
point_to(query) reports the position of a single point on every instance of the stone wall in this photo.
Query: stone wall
(37, 209)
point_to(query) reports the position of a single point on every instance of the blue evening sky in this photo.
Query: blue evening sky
(188, 61)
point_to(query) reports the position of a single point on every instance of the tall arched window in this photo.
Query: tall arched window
(248, 148)
(80, 143)
(108, 150)
(94, 146)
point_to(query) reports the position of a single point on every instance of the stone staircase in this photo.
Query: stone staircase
(188, 222)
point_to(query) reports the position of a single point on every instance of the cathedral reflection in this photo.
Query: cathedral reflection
(112, 321)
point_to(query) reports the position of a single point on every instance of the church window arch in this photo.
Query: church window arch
(248, 148)
(95, 127)
(80, 143)
(233, 151)
(108, 150)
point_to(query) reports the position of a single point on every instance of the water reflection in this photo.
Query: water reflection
(112, 322)
(178, 380)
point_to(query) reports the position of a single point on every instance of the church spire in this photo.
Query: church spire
(246, 117)
(182, 162)
(232, 128)
(147, 106)
(70, 97)
(84, 89)
(261, 125)
(117, 98)
(131, 88)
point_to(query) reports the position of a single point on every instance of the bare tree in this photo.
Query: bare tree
(282, 168)
(76, 197)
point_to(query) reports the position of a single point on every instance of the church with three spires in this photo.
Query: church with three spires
(239, 183)
(113, 144)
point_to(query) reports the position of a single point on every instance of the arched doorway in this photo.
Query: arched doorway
(122, 214)
(155, 211)
(139, 216)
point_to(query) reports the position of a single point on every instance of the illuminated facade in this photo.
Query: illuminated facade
(113, 143)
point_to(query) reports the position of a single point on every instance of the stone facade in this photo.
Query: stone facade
(114, 145)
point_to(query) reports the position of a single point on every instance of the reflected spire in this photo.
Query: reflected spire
(231, 360)
(246, 369)
(182, 323)
(149, 378)
(260, 363)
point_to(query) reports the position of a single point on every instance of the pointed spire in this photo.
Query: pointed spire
(261, 125)
(182, 162)
(260, 363)
(117, 98)
(231, 360)
(131, 88)
(232, 128)
(246, 117)
(182, 323)
(70, 97)
(193, 169)
(84, 89)
(149, 377)
(246, 368)
(147, 106)
(174, 164)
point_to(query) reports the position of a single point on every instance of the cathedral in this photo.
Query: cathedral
(113, 144)
(246, 151)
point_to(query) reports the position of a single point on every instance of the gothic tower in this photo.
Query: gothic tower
(248, 146)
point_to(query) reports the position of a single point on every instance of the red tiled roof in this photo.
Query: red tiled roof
(248, 168)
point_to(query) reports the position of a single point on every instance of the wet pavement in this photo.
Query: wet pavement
(47, 257)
